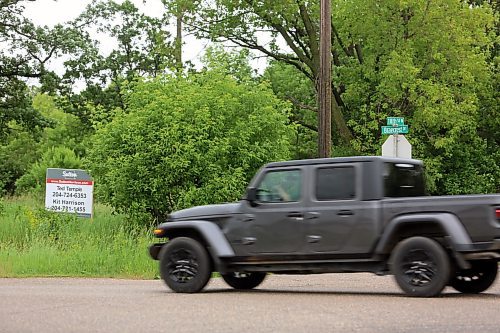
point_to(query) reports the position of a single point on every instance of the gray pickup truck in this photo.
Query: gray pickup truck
(353, 214)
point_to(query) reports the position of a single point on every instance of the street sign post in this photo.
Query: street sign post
(395, 121)
(396, 145)
(395, 129)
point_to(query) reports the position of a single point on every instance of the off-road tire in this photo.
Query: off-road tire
(478, 278)
(244, 280)
(420, 266)
(185, 265)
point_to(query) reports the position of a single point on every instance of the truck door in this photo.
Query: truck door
(275, 224)
(337, 220)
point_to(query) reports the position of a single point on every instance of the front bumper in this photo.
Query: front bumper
(154, 250)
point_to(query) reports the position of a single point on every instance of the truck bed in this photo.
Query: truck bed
(471, 210)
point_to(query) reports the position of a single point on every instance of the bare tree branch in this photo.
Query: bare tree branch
(300, 105)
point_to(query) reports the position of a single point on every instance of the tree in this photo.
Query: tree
(27, 156)
(428, 62)
(25, 52)
(187, 141)
(178, 9)
(143, 49)
(16, 157)
(296, 23)
(291, 85)
(34, 178)
(143, 46)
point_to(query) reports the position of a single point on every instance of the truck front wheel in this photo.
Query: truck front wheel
(185, 265)
(244, 280)
(420, 266)
(477, 279)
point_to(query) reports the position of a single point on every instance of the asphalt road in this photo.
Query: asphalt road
(308, 303)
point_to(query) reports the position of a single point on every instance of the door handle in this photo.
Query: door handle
(248, 240)
(248, 217)
(313, 215)
(345, 213)
(296, 215)
(313, 239)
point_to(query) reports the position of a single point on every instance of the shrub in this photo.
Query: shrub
(54, 157)
(187, 141)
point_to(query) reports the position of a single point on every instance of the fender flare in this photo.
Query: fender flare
(219, 247)
(454, 231)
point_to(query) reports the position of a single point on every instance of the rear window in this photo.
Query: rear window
(403, 180)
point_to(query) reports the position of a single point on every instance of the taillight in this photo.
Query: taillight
(497, 213)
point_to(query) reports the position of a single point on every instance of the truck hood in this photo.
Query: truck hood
(200, 212)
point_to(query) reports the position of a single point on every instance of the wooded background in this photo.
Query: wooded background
(160, 134)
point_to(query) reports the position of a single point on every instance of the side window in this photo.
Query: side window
(404, 180)
(335, 183)
(280, 186)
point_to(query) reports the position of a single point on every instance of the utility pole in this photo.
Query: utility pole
(325, 81)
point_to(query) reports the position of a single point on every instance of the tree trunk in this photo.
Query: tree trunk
(340, 123)
(178, 41)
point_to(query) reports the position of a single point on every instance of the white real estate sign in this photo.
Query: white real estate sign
(69, 190)
(396, 146)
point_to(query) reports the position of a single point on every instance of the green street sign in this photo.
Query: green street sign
(395, 121)
(394, 129)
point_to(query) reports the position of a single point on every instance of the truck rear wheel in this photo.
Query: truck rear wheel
(477, 279)
(244, 280)
(185, 265)
(420, 266)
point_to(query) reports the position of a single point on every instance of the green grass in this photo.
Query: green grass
(34, 242)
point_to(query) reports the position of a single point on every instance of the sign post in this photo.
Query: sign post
(396, 145)
(69, 191)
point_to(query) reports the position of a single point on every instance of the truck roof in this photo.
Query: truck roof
(352, 159)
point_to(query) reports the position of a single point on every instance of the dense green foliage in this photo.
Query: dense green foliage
(433, 62)
(188, 141)
(34, 179)
(16, 156)
(427, 62)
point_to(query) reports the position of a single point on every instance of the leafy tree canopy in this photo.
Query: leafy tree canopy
(188, 141)
(144, 48)
(426, 61)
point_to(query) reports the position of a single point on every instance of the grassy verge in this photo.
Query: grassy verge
(34, 242)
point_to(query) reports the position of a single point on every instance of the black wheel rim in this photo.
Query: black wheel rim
(418, 268)
(475, 274)
(470, 278)
(182, 266)
(241, 275)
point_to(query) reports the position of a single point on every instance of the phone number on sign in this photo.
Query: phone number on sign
(67, 209)
(69, 195)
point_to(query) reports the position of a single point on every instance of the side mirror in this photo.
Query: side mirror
(251, 196)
